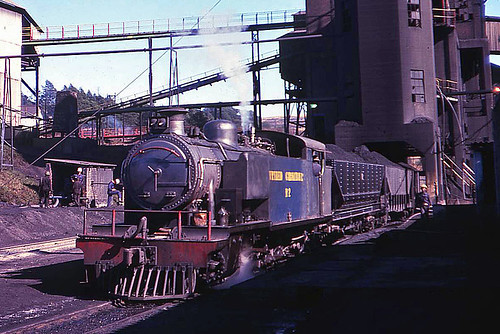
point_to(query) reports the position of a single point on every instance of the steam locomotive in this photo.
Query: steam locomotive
(196, 202)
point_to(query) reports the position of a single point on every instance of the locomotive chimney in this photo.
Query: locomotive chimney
(167, 120)
(177, 124)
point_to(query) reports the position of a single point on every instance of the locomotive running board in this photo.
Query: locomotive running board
(144, 283)
(336, 216)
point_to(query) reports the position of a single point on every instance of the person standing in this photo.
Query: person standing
(79, 175)
(316, 166)
(113, 191)
(77, 189)
(45, 190)
(423, 200)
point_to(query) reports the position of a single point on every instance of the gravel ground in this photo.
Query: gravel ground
(20, 225)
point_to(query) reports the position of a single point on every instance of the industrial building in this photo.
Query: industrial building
(14, 22)
(411, 80)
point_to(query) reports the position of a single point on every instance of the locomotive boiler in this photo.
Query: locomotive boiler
(196, 202)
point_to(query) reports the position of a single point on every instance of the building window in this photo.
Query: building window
(416, 162)
(414, 13)
(417, 86)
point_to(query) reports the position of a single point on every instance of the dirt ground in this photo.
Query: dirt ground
(20, 225)
(19, 186)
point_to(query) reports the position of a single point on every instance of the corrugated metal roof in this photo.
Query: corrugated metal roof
(80, 163)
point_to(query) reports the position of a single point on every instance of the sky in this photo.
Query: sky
(116, 74)
(493, 9)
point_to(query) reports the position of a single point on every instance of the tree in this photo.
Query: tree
(197, 117)
(232, 114)
(48, 99)
(227, 113)
(26, 100)
(88, 100)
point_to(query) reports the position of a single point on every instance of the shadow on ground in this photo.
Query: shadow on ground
(63, 279)
(435, 276)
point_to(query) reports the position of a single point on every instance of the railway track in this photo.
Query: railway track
(131, 320)
(57, 320)
(372, 234)
(26, 250)
(95, 319)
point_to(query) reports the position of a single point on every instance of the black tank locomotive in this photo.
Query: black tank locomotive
(195, 203)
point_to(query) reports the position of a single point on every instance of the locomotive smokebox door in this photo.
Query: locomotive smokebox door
(231, 201)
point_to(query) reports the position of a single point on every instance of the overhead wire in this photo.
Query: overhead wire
(164, 53)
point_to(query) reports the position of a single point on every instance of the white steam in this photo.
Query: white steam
(231, 59)
(242, 274)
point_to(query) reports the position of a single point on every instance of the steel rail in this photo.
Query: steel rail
(104, 112)
(19, 251)
(403, 225)
(83, 313)
(133, 319)
(40, 325)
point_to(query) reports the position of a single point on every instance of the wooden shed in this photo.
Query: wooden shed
(97, 175)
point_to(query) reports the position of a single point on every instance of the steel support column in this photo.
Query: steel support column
(286, 110)
(4, 107)
(170, 72)
(37, 95)
(150, 45)
(257, 108)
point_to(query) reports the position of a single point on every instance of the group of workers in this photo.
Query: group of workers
(422, 200)
(77, 189)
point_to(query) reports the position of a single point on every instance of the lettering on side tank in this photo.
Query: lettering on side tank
(275, 175)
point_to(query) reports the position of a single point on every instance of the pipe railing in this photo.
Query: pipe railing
(465, 174)
(158, 25)
(179, 213)
(444, 16)
(447, 85)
